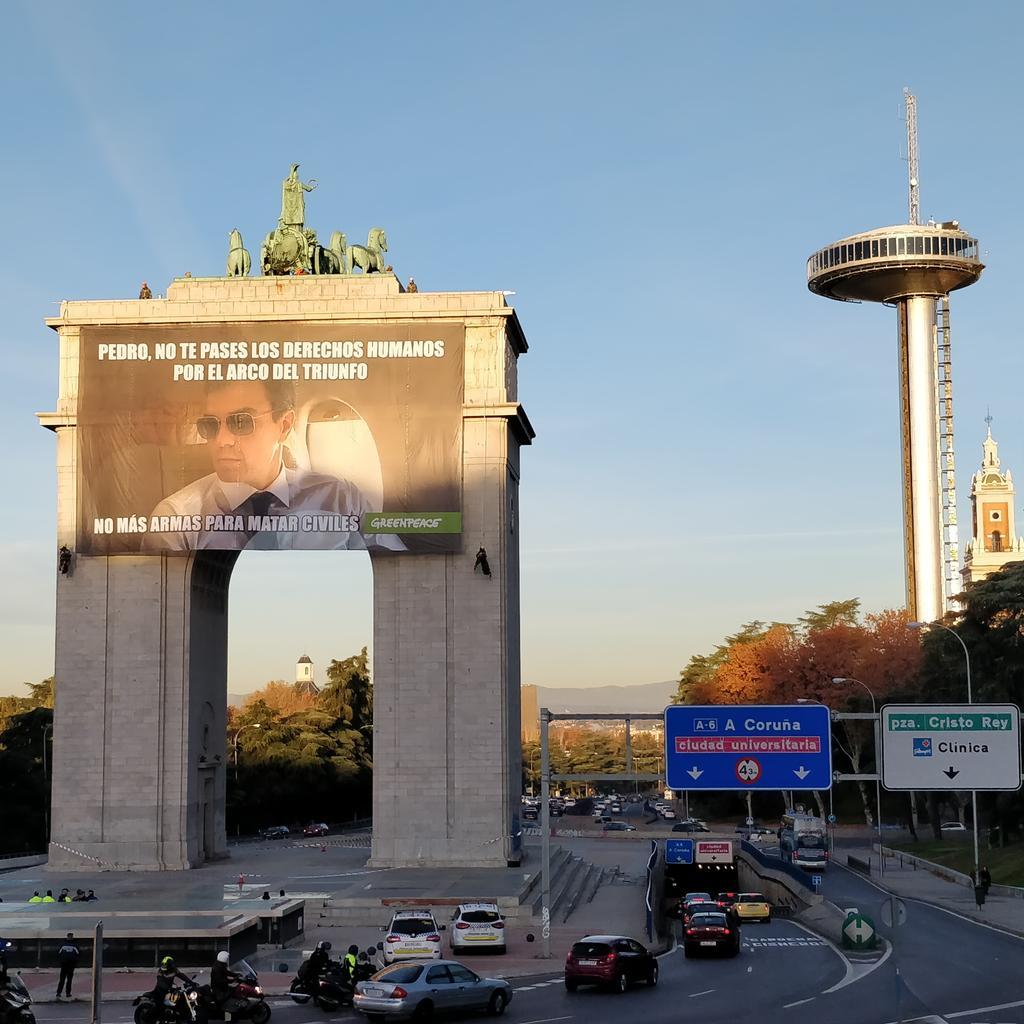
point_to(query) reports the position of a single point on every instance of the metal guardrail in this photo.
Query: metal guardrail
(858, 864)
(648, 897)
(776, 863)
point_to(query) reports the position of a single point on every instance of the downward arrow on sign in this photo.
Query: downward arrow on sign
(801, 773)
(951, 772)
(695, 773)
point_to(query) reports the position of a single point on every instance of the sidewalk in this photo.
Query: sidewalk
(1004, 912)
(522, 960)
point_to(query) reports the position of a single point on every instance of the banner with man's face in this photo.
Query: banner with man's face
(270, 436)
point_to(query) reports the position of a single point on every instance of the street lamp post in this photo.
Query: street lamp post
(974, 792)
(252, 725)
(839, 681)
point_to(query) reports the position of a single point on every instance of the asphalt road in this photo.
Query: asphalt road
(942, 965)
(942, 968)
(780, 963)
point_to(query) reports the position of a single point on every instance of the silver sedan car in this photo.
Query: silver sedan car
(419, 989)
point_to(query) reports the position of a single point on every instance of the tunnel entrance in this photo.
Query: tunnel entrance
(683, 878)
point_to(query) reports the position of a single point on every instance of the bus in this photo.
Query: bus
(803, 840)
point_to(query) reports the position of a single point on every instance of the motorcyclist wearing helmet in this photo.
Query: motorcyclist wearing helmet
(165, 978)
(222, 978)
(364, 969)
(318, 962)
(350, 962)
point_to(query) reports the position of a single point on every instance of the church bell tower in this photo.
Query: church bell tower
(994, 540)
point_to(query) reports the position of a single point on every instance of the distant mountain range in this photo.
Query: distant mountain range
(644, 697)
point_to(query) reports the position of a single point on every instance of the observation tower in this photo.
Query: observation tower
(914, 267)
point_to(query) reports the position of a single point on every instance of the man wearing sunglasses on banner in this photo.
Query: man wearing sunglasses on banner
(253, 498)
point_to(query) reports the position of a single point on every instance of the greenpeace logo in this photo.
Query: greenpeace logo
(404, 523)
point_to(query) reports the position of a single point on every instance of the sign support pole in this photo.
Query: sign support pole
(545, 836)
(97, 973)
(878, 789)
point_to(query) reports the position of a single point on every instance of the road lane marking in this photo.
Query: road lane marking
(850, 966)
(706, 992)
(546, 1020)
(986, 1009)
(799, 1002)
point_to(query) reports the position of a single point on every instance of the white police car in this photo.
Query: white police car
(477, 926)
(412, 935)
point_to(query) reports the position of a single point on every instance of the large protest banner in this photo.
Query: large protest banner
(270, 435)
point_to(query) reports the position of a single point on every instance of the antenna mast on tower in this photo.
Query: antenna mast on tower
(915, 183)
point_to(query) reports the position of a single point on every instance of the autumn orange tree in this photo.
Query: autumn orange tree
(785, 663)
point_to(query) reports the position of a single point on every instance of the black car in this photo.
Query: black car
(688, 910)
(690, 826)
(711, 933)
(530, 814)
(276, 832)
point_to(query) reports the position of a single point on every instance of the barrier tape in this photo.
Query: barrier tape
(104, 865)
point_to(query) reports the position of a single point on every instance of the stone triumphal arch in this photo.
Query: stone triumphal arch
(140, 766)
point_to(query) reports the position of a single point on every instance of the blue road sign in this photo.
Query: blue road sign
(816, 881)
(744, 747)
(678, 851)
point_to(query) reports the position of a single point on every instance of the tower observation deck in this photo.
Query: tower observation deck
(911, 266)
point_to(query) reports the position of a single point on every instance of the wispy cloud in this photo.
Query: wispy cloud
(129, 142)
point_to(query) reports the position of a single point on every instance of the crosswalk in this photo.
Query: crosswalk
(539, 984)
(782, 941)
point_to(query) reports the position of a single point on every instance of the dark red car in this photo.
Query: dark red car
(316, 828)
(613, 961)
(711, 933)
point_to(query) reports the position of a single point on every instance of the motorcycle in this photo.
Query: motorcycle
(15, 1002)
(246, 1001)
(331, 989)
(180, 1005)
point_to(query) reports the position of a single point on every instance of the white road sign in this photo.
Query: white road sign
(714, 852)
(950, 746)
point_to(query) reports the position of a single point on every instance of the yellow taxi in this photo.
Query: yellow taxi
(752, 906)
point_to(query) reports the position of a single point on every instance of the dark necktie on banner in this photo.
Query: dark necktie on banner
(258, 504)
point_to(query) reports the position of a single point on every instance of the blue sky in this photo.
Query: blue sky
(715, 444)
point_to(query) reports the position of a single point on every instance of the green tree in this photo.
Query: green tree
(349, 691)
(834, 613)
(24, 782)
(990, 621)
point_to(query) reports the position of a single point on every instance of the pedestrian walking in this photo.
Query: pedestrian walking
(48, 898)
(985, 877)
(241, 884)
(67, 957)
